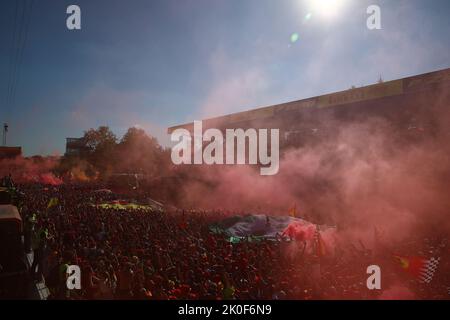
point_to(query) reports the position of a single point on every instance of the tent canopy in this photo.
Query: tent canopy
(9, 213)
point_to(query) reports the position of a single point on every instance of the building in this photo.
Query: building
(74, 146)
(10, 152)
(411, 105)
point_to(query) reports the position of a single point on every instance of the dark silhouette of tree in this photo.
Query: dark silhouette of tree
(136, 153)
(100, 145)
(139, 153)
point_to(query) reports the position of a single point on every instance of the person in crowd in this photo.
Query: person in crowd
(139, 253)
(39, 246)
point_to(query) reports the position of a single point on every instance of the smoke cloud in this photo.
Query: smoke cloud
(35, 169)
(364, 175)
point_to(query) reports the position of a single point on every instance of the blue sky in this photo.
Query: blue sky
(159, 63)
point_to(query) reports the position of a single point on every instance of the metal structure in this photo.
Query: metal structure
(5, 131)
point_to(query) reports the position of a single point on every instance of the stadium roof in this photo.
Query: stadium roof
(371, 92)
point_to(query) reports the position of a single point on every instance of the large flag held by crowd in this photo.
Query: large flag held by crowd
(421, 268)
(256, 227)
(130, 205)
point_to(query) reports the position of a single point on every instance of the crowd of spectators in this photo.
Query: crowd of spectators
(148, 254)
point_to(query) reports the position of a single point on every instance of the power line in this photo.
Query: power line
(13, 43)
(21, 53)
(16, 49)
(18, 46)
(17, 54)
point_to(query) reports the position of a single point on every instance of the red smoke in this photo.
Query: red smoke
(363, 175)
(35, 169)
(300, 231)
(49, 178)
(397, 292)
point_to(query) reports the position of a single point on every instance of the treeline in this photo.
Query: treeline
(102, 153)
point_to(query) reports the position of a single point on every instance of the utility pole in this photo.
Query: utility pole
(5, 131)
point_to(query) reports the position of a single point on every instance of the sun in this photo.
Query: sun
(326, 8)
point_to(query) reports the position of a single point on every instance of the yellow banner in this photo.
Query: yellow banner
(375, 91)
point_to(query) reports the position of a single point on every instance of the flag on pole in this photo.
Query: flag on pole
(419, 267)
(53, 202)
(321, 248)
(293, 211)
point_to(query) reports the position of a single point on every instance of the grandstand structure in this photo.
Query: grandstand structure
(10, 152)
(410, 105)
(75, 146)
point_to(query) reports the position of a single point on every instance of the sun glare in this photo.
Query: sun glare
(326, 8)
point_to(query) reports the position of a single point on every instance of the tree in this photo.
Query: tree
(99, 139)
(101, 147)
(139, 153)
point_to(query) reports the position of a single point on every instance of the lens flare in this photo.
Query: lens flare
(326, 8)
